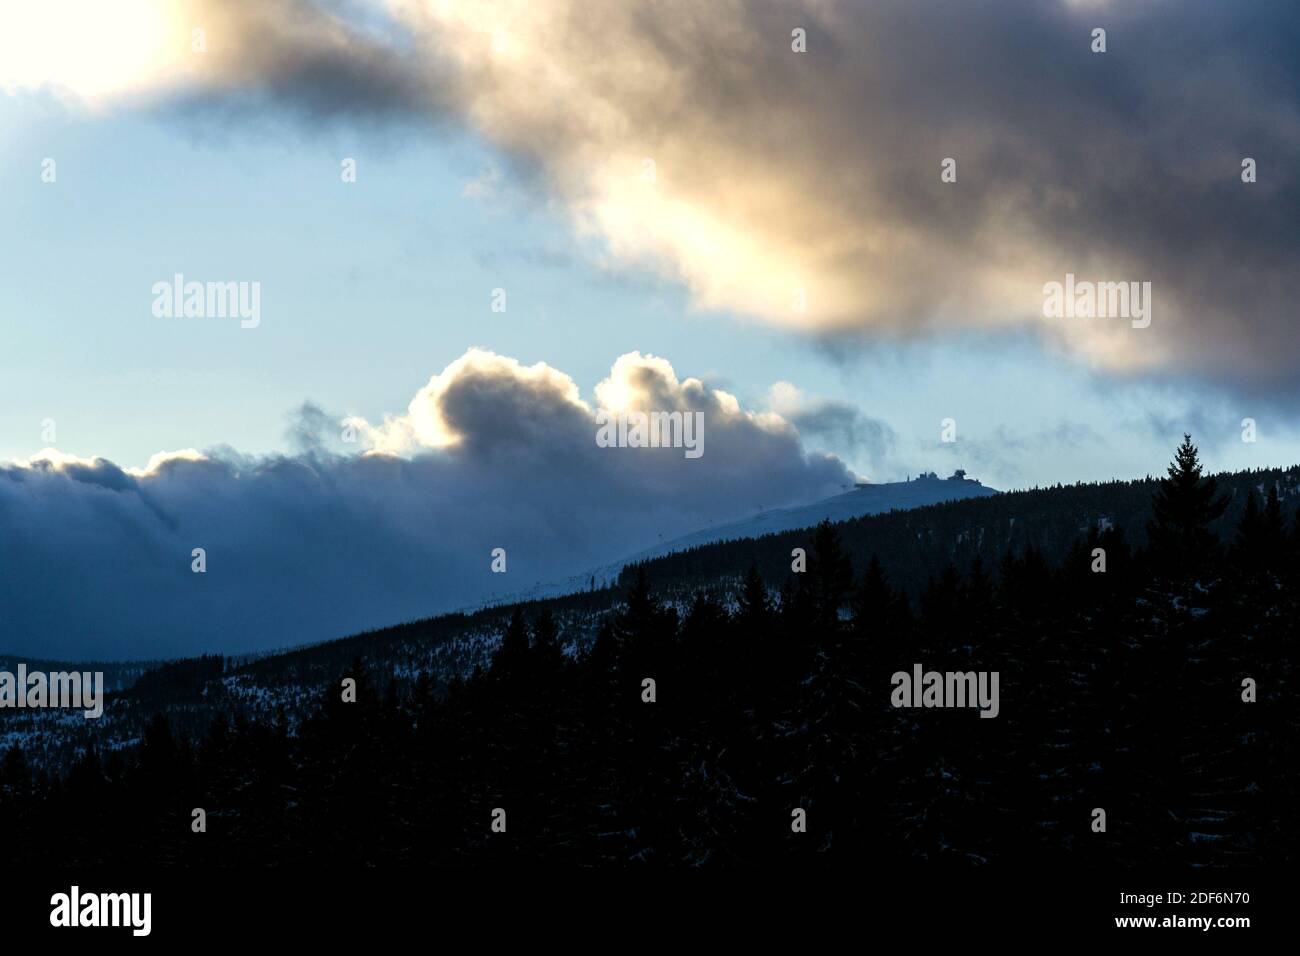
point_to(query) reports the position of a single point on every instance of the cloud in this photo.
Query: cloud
(486, 185)
(837, 426)
(490, 453)
(322, 59)
(1003, 451)
(805, 188)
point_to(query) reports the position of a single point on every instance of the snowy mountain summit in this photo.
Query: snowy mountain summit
(865, 499)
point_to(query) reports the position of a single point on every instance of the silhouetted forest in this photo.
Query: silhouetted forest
(1120, 689)
(916, 544)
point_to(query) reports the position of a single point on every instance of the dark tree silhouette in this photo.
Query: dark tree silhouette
(1184, 506)
(1120, 688)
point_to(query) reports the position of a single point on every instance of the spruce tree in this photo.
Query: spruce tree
(546, 644)
(512, 657)
(753, 605)
(1273, 529)
(1248, 527)
(871, 599)
(1184, 506)
(831, 573)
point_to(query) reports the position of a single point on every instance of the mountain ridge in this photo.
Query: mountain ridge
(864, 500)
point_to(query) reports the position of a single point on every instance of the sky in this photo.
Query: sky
(679, 210)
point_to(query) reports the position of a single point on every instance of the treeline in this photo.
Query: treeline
(916, 544)
(1156, 690)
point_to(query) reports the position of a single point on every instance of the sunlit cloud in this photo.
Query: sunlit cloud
(163, 458)
(94, 52)
(52, 458)
(491, 453)
(803, 188)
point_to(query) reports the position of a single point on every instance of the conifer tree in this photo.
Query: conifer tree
(754, 606)
(1184, 506)
(546, 644)
(1273, 530)
(871, 599)
(831, 574)
(1248, 527)
(512, 658)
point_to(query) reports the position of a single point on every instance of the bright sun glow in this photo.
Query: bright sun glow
(92, 49)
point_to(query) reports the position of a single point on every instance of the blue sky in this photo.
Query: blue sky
(690, 209)
(371, 287)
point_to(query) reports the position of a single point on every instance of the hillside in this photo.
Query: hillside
(914, 547)
(917, 545)
(862, 501)
(679, 721)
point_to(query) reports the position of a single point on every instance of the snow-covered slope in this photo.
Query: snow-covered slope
(863, 500)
